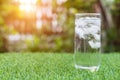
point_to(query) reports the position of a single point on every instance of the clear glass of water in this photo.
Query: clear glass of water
(87, 41)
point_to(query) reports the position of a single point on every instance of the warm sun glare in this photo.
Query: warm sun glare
(27, 5)
(27, 8)
(27, 1)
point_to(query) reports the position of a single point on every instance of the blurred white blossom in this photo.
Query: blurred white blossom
(87, 27)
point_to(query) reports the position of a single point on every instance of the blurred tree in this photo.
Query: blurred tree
(111, 10)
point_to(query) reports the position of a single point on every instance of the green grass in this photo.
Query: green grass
(42, 66)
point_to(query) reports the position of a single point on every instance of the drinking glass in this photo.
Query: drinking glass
(87, 41)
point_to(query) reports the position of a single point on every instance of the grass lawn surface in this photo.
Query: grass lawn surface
(54, 66)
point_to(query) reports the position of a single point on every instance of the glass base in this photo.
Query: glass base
(91, 68)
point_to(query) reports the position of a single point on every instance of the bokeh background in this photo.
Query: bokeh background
(48, 25)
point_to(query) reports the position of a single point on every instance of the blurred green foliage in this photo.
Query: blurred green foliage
(61, 39)
(44, 39)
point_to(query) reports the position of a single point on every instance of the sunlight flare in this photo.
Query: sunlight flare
(27, 5)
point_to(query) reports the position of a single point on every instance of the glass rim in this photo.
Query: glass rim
(91, 14)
